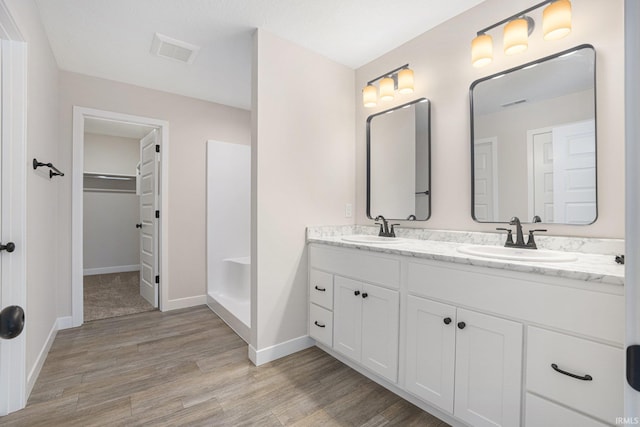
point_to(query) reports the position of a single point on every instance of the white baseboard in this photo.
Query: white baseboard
(176, 304)
(64, 322)
(229, 318)
(42, 356)
(265, 355)
(114, 269)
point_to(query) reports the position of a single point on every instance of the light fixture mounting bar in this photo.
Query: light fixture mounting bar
(512, 17)
(388, 74)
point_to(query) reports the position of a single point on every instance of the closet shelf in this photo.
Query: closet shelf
(109, 182)
(112, 176)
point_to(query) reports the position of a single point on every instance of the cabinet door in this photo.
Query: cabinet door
(347, 317)
(431, 340)
(488, 370)
(380, 317)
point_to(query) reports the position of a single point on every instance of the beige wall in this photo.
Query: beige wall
(42, 194)
(302, 174)
(443, 73)
(111, 154)
(191, 123)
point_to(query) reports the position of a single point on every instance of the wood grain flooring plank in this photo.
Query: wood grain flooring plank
(188, 368)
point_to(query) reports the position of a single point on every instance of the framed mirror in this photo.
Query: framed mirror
(398, 162)
(533, 141)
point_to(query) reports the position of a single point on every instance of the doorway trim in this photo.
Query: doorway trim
(77, 197)
(13, 376)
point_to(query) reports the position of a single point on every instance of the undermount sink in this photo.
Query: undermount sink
(516, 254)
(364, 238)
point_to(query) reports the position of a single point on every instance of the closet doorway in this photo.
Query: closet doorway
(117, 231)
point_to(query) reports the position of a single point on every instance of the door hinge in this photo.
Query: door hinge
(157, 148)
(157, 214)
(157, 279)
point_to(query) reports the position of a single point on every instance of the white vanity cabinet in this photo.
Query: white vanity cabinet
(366, 325)
(467, 363)
(473, 345)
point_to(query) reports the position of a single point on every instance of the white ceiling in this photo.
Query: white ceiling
(112, 38)
(114, 128)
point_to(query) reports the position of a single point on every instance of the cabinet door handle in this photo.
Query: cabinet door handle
(356, 293)
(587, 377)
(461, 325)
(364, 295)
(319, 325)
(320, 289)
(447, 320)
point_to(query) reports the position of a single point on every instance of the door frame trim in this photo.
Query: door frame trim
(13, 376)
(77, 197)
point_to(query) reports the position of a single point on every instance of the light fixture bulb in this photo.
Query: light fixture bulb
(405, 81)
(369, 96)
(386, 89)
(516, 36)
(481, 50)
(556, 20)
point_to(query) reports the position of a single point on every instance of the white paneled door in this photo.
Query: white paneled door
(485, 196)
(149, 217)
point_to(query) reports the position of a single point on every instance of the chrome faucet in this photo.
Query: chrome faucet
(385, 231)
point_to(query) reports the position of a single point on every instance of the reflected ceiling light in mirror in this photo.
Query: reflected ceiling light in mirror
(556, 20)
(400, 78)
(556, 23)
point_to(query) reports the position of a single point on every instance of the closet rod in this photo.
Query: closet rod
(37, 164)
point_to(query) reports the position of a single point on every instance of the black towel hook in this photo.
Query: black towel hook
(37, 164)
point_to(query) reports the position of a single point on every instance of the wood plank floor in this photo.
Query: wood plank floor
(186, 367)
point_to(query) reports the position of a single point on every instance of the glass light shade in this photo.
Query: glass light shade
(516, 36)
(556, 20)
(386, 89)
(405, 81)
(369, 96)
(481, 50)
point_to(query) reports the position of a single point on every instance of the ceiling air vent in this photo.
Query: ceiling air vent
(177, 50)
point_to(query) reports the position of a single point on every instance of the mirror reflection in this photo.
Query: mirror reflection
(398, 162)
(533, 133)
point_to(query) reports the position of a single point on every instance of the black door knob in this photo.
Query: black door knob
(11, 322)
(9, 247)
(138, 225)
(364, 295)
(356, 293)
(447, 320)
(461, 325)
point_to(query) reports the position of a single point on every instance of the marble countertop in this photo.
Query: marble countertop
(590, 267)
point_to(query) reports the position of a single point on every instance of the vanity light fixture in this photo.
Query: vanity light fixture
(400, 78)
(556, 23)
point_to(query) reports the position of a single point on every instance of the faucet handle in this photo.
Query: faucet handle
(509, 241)
(531, 243)
(381, 232)
(392, 232)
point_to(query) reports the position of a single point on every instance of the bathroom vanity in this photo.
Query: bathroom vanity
(472, 340)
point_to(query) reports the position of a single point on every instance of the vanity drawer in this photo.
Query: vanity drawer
(543, 413)
(600, 397)
(321, 288)
(321, 324)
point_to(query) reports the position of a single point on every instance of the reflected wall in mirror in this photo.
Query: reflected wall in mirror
(398, 162)
(533, 141)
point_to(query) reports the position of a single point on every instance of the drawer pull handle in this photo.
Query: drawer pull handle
(356, 293)
(319, 325)
(447, 320)
(320, 289)
(364, 295)
(569, 374)
(462, 325)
